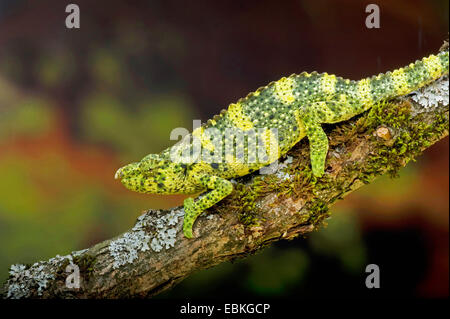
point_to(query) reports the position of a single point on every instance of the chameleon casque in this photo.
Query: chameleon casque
(295, 106)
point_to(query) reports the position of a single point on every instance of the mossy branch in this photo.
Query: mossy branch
(154, 255)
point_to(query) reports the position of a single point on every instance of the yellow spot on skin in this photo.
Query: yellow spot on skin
(300, 127)
(238, 167)
(198, 132)
(343, 99)
(399, 80)
(364, 92)
(238, 118)
(206, 143)
(199, 169)
(328, 83)
(321, 105)
(283, 90)
(300, 124)
(271, 146)
(212, 181)
(433, 66)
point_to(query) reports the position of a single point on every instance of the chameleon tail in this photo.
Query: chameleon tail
(422, 72)
(410, 78)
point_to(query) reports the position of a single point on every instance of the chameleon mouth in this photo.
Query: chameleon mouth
(127, 171)
(119, 174)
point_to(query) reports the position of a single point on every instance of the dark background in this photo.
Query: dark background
(77, 104)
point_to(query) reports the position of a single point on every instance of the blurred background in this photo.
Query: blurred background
(76, 104)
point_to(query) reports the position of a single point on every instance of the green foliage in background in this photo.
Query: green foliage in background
(105, 119)
(28, 117)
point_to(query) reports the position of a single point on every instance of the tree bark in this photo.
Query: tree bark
(154, 255)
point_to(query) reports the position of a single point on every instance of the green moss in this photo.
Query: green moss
(318, 211)
(394, 115)
(86, 264)
(408, 141)
(247, 198)
(409, 138)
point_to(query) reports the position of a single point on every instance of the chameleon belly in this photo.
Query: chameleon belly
(286, 111)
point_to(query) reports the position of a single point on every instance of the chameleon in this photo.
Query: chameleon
(293, 107)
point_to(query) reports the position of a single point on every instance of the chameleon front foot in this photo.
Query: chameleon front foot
(220, 189)
(190, 215)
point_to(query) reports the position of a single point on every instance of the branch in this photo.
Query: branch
(154, 256)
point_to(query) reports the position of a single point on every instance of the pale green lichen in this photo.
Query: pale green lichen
(153, 230)
(433, 94)
(281, 172)
(24, 280)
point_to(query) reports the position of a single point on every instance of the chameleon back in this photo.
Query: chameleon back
(277, 111)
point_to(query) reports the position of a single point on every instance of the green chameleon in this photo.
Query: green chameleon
(295, 106)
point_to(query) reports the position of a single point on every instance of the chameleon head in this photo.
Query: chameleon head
(152, 174)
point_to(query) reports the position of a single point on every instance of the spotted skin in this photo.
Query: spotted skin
(285, 111)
